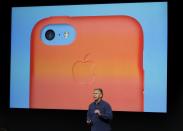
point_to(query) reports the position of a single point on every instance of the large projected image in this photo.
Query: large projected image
(59, 54)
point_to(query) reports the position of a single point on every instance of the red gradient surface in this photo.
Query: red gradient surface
(107, 53)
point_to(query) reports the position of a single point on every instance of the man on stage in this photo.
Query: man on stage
(99, 114)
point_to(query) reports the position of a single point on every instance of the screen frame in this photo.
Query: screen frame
(51, 118)
(6, 49)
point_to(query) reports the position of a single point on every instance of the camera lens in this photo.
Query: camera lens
(50, 34)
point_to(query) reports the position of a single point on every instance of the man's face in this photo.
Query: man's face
(97, 95)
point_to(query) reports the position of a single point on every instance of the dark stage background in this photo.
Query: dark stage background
(62, 120)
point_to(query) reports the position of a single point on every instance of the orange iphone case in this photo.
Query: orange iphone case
(107, 53)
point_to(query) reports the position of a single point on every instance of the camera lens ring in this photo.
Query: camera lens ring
(50, 34)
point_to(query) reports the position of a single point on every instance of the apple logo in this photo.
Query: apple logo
(83, 71)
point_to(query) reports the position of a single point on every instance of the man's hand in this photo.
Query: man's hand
(97, 111)
(88, 121)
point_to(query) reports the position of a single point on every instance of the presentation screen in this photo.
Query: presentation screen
(61, 53)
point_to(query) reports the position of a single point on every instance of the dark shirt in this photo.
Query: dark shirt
(102, 122)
